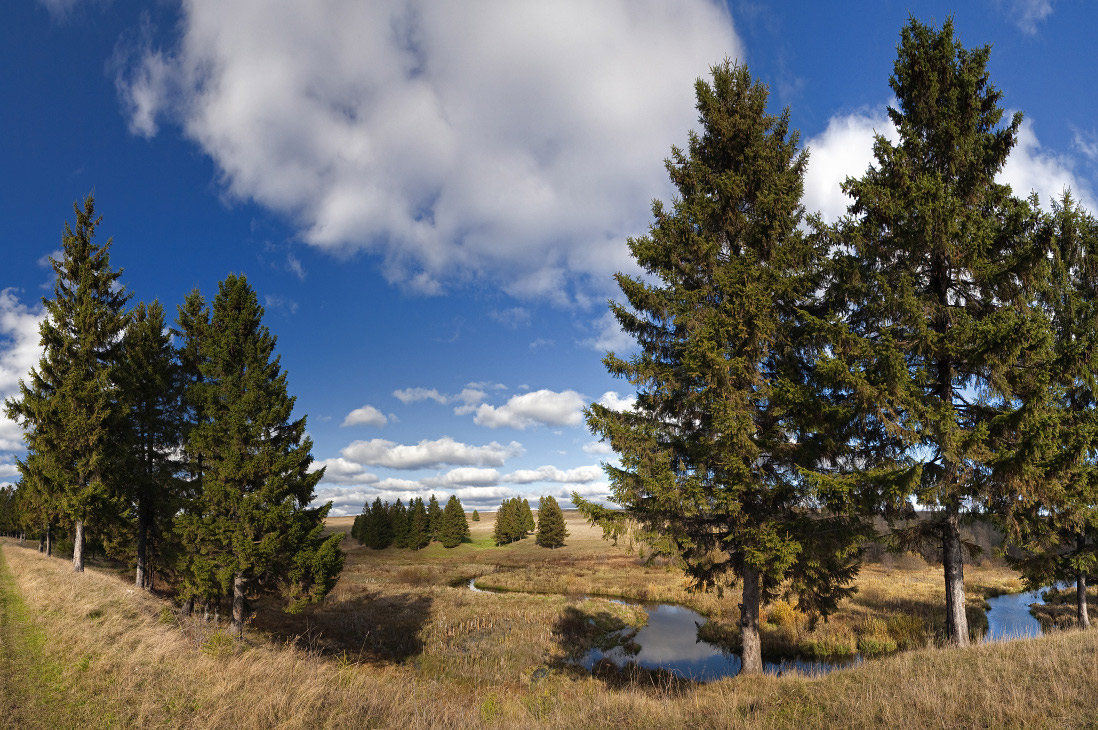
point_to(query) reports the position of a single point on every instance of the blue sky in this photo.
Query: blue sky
(430, 199)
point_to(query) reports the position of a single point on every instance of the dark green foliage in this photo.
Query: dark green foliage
(713, 452)
(551, 529)
(418, 527)
(476, 516)
(510, 525)
(434, 518)
(69, 408)
(527, 517)
(398, 518)
(941, 350)
(453, 529)
(150, 384)
(1054, 519)
(254, 531)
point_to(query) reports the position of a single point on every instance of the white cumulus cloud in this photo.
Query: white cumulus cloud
(367, 415)
(519, 140)
(539, 407)
(342, 471)
(579, 475)
(429, 454)
(414, 395)
(19, 352)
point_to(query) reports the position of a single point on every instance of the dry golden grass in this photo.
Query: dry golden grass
(437, 656)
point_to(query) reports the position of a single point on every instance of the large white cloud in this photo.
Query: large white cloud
(520, 140)
(342, 471)
(367, 415)
(539, 407)
(429, 454)
(19, 352)
(579, 475)
(845, 149)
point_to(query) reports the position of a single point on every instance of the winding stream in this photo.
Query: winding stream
(670, 640)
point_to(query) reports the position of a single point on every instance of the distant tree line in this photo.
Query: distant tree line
(795, 379)
(182, 457)
(381, 525)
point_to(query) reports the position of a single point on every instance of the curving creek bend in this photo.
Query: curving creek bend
(669, 640)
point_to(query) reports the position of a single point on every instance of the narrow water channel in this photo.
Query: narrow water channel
(669, 640)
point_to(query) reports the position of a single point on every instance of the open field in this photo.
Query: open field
(398, 645)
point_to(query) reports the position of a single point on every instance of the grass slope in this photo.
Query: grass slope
(88, 651)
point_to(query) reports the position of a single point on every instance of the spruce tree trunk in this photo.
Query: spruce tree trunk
(238, 605)
(78, 548)
(953, 565)
(1081, 600)
(188, 607)
(140, 579)
(49, 541)
(751, 651)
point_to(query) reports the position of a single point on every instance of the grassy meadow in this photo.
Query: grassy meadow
(402, 642)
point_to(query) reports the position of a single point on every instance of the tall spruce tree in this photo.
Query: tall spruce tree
(151, 391)
(254, 525)
(527, 517)
(935, 291)
(398, 518)
(712, 453)
(434, 518)
(551, 530)
(1052, 519)
(419, 535)
(453, 528)
(70, 409)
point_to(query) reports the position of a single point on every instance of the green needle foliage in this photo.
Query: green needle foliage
(551, 530)
(476, 516)
(527, 517)
(70, 409)
(454, 529)
(510, 522)
(934, 285)
(712, 453)
(150, 382)
(1053, 519)
(434, 518)
(254, 528)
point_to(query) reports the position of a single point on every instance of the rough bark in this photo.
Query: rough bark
(1081, 601)
(751, 652)
(140, 575)
(188, 607)
(238, 605)
(49, 541)
(953, 564)
(78, 548)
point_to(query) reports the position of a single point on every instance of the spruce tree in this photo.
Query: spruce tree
(70, 409)
(256, 527)
(528, 525)
(151, 392)
(418, 527)
(398, 518)
(434, 518)
(551, 530)
(476, 516)
(381, 515)
(713, 453)
(454, 528)
(1051, 517)
(934, 297)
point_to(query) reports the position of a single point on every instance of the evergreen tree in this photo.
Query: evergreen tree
(476, 516)
(356, 526)
(551, 529)
(70, 410)
(381, 515)
(256, 526)
(713, 452)
(1053, 518)
(434, 518)
(150, 387)
(528, 525)
(454, 528)
(418, 535)
(935, 292)
(510, 525)
(398, 518)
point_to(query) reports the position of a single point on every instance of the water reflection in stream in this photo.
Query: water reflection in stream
(669, 641)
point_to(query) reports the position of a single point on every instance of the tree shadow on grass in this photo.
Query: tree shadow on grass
(370, 628)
